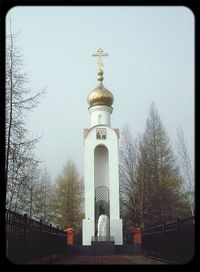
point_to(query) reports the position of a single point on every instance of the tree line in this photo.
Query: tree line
(28, 187)
(156, 182)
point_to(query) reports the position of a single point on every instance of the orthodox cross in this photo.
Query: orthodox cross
(100, 53)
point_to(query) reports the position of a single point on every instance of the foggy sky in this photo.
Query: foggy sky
(151, 59)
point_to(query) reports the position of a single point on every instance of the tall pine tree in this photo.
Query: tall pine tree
(68, 198)
(158, 177)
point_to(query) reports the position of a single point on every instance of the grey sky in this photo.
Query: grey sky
(151, 59)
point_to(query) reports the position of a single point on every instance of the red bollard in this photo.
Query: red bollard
(137, 240)
(137, 236)
(70, 236)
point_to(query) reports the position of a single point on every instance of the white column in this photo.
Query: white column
(100, 115)
(111, 143)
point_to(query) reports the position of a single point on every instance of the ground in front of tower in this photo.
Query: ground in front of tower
(104, 260)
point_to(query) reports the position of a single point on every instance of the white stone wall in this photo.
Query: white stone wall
(88, 231)
(111, 143)
(100, 115)
(116, 230)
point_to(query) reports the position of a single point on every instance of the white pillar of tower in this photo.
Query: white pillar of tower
(100, 115)
(101, 165)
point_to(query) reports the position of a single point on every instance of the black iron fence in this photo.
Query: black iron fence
(172, 241)
(28, 239)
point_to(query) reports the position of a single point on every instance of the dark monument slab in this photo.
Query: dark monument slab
(102, 246)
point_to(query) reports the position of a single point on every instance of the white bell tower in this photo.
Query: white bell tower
(101, 163)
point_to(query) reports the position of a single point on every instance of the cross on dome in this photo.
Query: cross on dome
(100, 95)
(100, 53)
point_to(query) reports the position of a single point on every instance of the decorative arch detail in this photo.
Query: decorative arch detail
(99, 119)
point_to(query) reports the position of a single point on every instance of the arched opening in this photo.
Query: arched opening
(99, 119)
(101, 172)
(102, 205)
(101, 182)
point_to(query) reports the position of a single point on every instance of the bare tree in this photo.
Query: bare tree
(128, 178)
(185, 167)
(19, 144)
(42, 197)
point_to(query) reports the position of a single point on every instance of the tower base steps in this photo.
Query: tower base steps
(100, 248)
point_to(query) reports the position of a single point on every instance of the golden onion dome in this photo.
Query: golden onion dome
(100, 95)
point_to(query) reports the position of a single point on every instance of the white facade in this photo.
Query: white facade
(100, 115)
(101, 168)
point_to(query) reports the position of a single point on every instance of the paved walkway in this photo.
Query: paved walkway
(102, 260)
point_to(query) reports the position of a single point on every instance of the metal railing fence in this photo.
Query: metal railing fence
(28, 239)
(173, 241)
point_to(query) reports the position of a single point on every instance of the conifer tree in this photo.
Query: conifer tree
(185, 166)
(158, 176)
(68, 198)
(150, 182)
